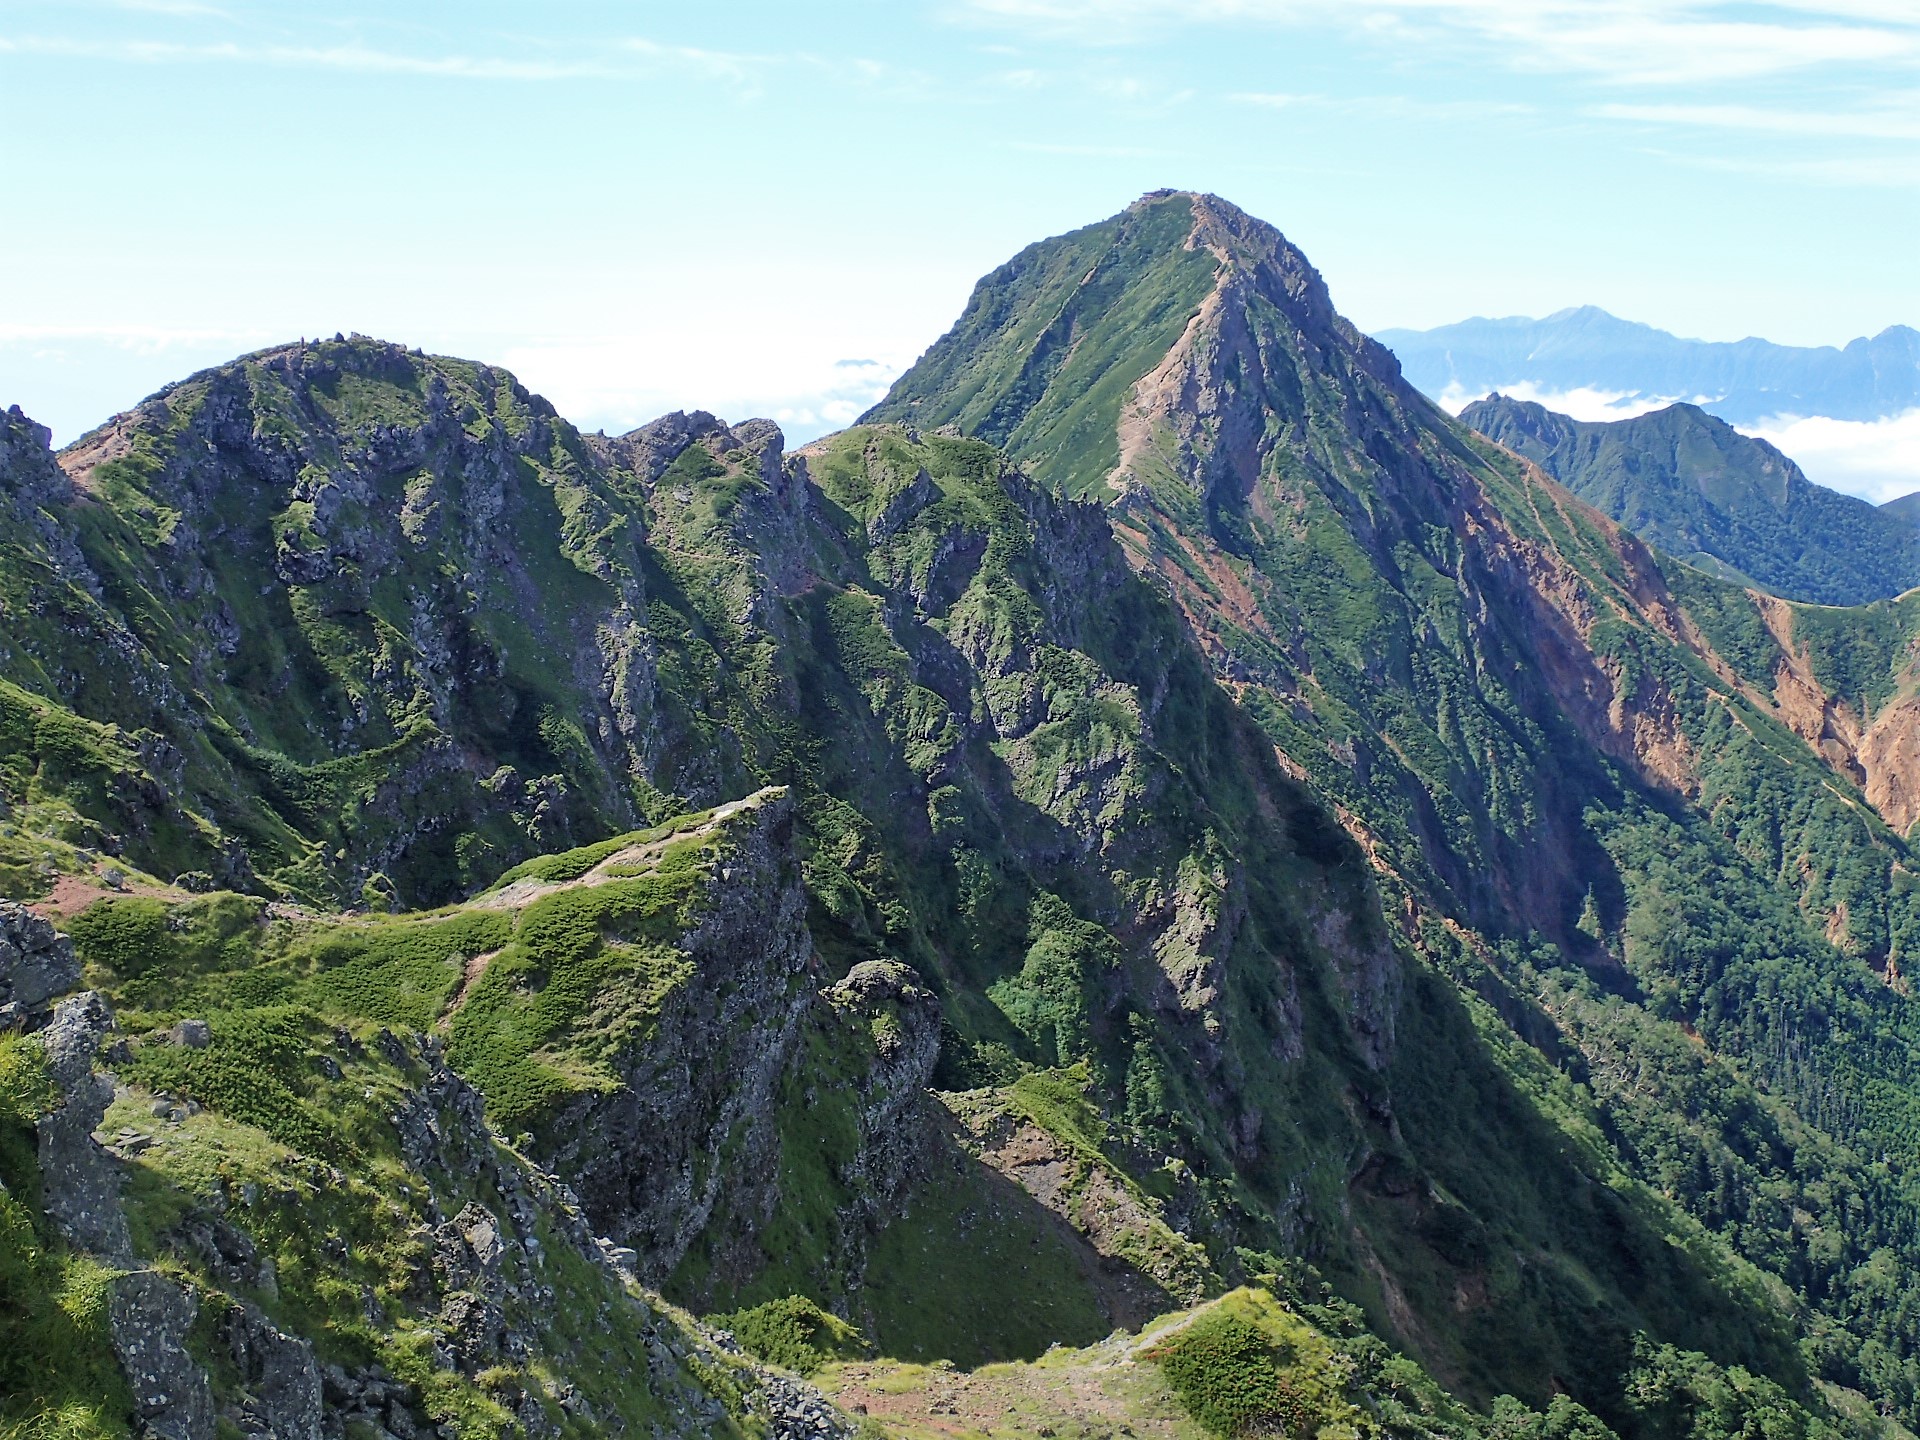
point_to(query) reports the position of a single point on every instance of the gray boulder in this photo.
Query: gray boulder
(79, 1185)
(36, 964)
(149, 1317)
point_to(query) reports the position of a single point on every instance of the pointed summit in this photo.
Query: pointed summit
(1061, 352)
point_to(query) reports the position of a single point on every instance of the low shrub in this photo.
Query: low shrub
(1226, 1375)
(795, 1334)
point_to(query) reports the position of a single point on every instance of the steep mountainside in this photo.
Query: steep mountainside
(1742, 381)
(1335, 863)
(362, 619)
(1635, 809)
(1046, 1000)
(1732, 505)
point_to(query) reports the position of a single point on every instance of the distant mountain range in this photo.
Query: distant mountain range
(1726, 502)
(1743, 381)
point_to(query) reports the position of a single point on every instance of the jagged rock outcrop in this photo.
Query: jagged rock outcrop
(36, 966)
(150, 1317)
(79, 1186)
(148, 1314)
(647, 1159)
(267, 504)
(891, 1011)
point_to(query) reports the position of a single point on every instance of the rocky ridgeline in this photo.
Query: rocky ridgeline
(688, 1147)
(485, 1283)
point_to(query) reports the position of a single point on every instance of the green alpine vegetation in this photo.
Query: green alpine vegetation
(1156, 885)
(1591, 783)
(1700, 490)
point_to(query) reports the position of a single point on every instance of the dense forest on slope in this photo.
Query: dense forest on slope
(1730, 504)
(910, 901)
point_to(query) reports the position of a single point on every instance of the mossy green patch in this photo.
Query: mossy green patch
(603, 947)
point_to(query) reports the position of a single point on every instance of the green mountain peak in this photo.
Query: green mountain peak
(1079, 338)
(1730, 503)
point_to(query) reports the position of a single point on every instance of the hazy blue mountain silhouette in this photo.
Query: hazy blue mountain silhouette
(1742, 381)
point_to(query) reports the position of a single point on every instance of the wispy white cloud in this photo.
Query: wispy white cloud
(1584, 402)
(621, 59)
(145, 339)
(616, 384)
(1397, 107)
(1891, 171)
(1094, 152)
(1641, 42)
(1878, 460)
(192, 9)
(1888, 122)
(617, 58)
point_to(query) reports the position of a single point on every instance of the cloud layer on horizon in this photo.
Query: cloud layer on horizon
(1877, 460)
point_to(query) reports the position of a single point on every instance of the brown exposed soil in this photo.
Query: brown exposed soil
(1882, 756)
(1889, 753)
(70, 895)
(470, 974)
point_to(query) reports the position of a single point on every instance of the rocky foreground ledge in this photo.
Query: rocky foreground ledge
(204, 1285)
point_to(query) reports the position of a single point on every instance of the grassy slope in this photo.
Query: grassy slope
(1397, 662)
(1050, 344)
(1272, 1360)
(295, 1145)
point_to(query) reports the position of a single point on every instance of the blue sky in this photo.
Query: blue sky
(772, 208)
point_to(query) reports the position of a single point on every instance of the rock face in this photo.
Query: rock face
(647, 1159)
(268, 503)
(148, 1314)
(885, 1004)
(36, 965)
(689, 1145)
(79, 1186)
(280, 1383)
(150, 1317)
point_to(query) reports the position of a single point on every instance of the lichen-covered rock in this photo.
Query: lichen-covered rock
(150, 1316)
(36, 965)
(79, 1185)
